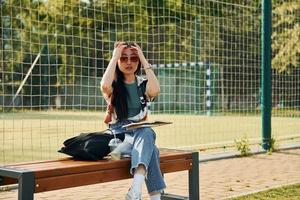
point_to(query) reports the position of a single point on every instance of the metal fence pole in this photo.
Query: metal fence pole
(266, 98)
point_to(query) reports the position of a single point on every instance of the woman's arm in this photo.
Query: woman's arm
(152, 87)
(109, 74)
(108, 77)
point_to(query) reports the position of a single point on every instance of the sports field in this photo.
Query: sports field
(38, 135)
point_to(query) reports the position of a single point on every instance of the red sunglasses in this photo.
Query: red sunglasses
(132, 59)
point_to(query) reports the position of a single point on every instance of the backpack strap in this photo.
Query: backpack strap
(141, 93)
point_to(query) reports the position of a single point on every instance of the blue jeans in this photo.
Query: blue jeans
(140, 144)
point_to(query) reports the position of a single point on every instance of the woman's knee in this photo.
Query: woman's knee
(146, 133)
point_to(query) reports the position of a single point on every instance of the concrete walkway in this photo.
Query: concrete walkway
(219, 179)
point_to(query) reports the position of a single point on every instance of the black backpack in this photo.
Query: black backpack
(89, 146)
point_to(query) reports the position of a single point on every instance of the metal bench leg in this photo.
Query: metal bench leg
(25, 179)
(194, 193)
(26, 186)
(167, 196)
(193, 182)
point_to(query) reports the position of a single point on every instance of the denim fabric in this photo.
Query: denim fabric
(117, 127)
(140, 144)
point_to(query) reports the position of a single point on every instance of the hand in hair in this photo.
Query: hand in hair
(118, 48)
(140, 54)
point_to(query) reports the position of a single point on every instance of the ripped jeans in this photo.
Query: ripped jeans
(140, 144)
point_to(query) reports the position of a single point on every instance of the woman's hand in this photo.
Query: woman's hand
(117, 52)
(152, 87)
(140, 54)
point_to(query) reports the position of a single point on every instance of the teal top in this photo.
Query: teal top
(133, 99)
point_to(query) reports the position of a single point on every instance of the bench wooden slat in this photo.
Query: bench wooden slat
(124, 163)
(164, 155)
(73, 180)
(37, 162)
(40, 168)
(166, 167)
(72, 164)
(101, 176)
(176, 166)
(74, 168)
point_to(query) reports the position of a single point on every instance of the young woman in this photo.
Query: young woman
(128, 94)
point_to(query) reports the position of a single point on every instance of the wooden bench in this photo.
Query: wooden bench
(42, 176)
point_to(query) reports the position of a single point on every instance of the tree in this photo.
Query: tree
(286, 36)
(286, 53)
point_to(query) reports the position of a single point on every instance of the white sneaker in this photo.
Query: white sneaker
(132, 196)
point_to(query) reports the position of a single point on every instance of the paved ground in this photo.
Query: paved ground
(219, 179)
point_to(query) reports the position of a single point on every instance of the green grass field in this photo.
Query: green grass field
(291, 192)
(38, 135)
